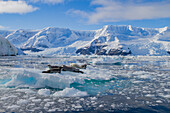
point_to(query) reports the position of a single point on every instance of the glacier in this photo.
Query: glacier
(109, 40)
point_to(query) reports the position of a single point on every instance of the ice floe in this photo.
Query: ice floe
(44, 92)
(70, 92)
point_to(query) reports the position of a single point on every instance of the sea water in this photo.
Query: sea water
(113, 84)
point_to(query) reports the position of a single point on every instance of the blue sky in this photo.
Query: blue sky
(83, 14)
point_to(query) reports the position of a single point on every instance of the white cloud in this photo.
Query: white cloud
(115, 10)
(77, 12)
(48, 1)
(16, 7)
(2, 27)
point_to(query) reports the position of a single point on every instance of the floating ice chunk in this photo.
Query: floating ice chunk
(13, 107)
(35, 79)
(168, 90)
(113, 105)
(32, 78)
(107, 61)
(8, 97)
(93, 98)
(128, 98)
(82, 99)
(28, 91)
(13, 96)
(22, 101)
(62, 101)
(44, 92)
(4, 98)
(137, 82)
(47, 100)
(98, 73)
(49, 104)
(78, 107)
(145, 76)
(166, 96)
(101, 106)
(159, 101)
(22, 78)
(36, 100)
(131, 66)
(150, 95)
(70, 92)
(52, 110)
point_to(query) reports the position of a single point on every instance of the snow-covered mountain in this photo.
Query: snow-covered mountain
(109, 40)
(19, 37)
(6, 48)
(56, 37)
(116, 40)
(4, 33)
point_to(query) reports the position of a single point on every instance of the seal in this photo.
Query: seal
(78, 66)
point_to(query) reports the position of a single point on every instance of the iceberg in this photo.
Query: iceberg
(6, 48)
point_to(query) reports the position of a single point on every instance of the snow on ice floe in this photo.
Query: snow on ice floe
(70, 92)
(35, 79)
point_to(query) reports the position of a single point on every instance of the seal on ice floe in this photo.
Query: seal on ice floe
(78, 66)
(53, 69)
(58, 69)
(70, 68)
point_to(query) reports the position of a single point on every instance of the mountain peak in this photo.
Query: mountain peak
(118, 27)
(54, 28)
(130, 27)
(161, 30)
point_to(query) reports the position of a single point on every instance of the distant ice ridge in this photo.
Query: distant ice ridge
(109, 40)
(6, 48)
